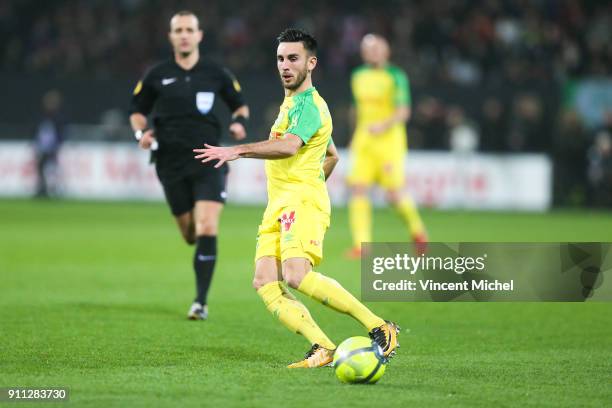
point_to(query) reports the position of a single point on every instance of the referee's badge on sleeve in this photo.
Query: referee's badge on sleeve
(138, 88)
(204, 101)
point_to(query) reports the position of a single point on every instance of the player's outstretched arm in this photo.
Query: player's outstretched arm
(331, 159)
(268, 149)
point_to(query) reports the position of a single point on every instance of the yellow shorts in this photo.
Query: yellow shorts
(292, 232)
(378, 160)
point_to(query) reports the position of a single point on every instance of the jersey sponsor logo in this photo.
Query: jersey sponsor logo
(287, 220)
(138, 88)
(168, 81)
(205, 101)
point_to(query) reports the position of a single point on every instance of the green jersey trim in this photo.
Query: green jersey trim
(304, 117)
(402, 86)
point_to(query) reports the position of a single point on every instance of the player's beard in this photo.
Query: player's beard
(299, 80)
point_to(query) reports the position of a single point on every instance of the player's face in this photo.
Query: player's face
(185, 34)
(294, 64)
(374, 50)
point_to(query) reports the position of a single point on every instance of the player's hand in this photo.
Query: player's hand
(147, 139)
(237, 131)
(223, 154)
(378, 128)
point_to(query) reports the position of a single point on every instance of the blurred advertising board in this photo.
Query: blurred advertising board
(119, 171)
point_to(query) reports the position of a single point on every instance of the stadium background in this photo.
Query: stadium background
(93, 292)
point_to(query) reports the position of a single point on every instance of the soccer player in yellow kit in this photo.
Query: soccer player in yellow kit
(300, 155)
(382, 100)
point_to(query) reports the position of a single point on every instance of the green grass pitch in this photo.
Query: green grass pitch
(93, 296)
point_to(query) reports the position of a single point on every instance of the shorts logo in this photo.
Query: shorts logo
(315, 242)
(287, 220)
(204, 101)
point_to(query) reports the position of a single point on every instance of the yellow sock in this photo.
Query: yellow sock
(409, 213)
(292, 313)
(360, 219)
(329, 292)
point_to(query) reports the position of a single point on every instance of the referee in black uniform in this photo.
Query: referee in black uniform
(180, 93)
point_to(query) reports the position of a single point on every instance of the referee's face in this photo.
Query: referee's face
(185, 34)
(294, 64)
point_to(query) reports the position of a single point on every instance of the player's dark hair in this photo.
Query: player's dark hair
(297, 35)
(187, 13)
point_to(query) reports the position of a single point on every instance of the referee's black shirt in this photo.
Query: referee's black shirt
(181, 102)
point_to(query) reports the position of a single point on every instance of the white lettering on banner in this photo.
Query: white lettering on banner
(17, 169)
(110, 171)
(435, 179)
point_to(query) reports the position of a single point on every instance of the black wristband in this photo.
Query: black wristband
(243, 120)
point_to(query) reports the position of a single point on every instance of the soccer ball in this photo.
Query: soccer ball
(359, 360)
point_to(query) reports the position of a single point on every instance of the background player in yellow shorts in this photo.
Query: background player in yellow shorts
(382, 100)
(299, 157)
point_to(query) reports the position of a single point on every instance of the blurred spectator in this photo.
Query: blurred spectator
(112, 122)
(527, 132)
(607, 122)
(463, 136)
(600, 169)
(428, 129)
(570, 160)
(47, 143)
(493, 125)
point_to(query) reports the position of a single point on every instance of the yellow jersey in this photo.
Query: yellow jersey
(377, 92)
(300, 179)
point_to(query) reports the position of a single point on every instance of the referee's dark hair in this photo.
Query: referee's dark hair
(186, 13)
(297, 35)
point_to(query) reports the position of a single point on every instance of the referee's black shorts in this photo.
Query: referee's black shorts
(183, 191)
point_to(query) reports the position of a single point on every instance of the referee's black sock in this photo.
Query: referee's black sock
(204, 264)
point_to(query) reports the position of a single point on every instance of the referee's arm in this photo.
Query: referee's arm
(231, 92)
(239, 120)
(142, 133)
(143, 98)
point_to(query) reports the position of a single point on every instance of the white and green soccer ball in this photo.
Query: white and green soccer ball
(359, 360)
